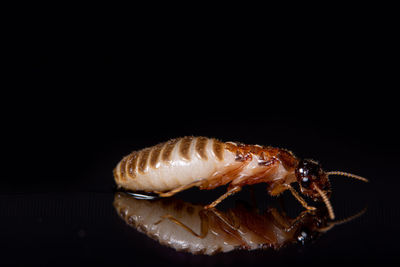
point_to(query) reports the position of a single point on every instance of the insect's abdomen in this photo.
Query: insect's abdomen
(255, 231)
(146, 216)
(171, 164)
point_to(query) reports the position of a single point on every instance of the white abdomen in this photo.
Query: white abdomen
(172, 164)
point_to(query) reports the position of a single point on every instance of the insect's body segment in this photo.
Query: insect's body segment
(184, 161)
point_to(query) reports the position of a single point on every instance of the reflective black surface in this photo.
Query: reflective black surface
(64, 213)
(64, 137)
(246, 226)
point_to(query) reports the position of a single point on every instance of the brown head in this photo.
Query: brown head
(314, 182)
(313, 225)
(310, 176)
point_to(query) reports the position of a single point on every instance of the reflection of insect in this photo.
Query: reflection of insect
(187, 227)
(182, 163)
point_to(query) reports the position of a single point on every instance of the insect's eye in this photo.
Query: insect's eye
(306, 236)
(303, 237)
(305, 182)
(307, 172)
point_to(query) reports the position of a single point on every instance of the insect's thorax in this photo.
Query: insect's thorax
(263, 164)
(265, 155)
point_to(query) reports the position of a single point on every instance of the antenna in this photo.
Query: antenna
(338, 222)
(348, 175)
(327, 203)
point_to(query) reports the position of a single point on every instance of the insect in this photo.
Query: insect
(187, 227)
(182, 163)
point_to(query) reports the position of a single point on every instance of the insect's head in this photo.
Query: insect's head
(309, 228)
(314, 182)
(310, 176)
(316, 223)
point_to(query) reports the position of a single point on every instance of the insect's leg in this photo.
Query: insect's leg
(181, 188)
(231, 191)
(203, 224)
(294, 222)
(280, 218)
(299, 198)
(223, 218)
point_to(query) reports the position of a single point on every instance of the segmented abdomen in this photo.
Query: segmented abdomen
(220, 231)
(172, 164)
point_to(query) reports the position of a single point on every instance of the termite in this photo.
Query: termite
(182, 163)
(190, 228)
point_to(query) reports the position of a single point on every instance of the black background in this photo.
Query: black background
(84, 94)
